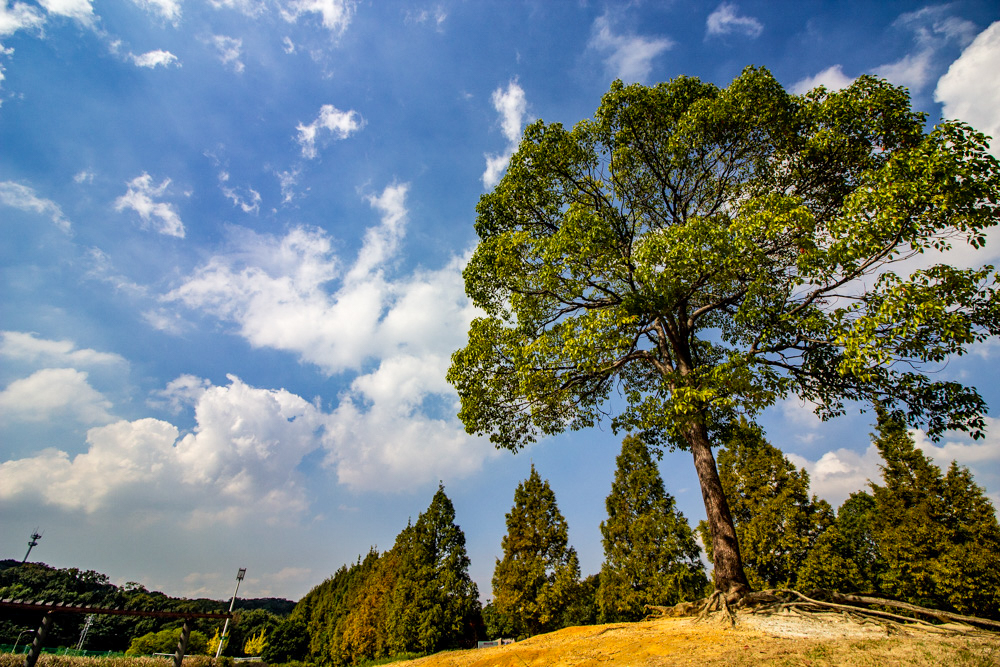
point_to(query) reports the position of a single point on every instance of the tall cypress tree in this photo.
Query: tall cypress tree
(777, 523)
(435, 603)
(938, 534)
(537, 576)
(650, 554)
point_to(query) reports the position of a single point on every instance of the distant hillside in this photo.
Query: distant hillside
(38, 581)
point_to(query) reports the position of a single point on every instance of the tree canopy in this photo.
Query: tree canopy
(703, 253)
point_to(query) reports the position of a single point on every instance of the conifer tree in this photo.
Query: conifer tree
(539, 572)
(938, 534)
(776, 521)
(435, 602)
(650, 555)
(845, 556)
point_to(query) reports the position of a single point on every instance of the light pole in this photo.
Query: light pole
(35, 536)
(23, 632)
(222, 640)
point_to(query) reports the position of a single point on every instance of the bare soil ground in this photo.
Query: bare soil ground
(778, 639)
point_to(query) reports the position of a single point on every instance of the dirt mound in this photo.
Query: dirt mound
(783, 639)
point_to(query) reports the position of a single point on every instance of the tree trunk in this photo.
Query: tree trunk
(729, 576)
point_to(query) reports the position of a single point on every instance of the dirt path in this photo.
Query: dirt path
(756, 640)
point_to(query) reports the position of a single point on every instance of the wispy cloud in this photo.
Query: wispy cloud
(252, 8)
(435, 17)
(341, 124)
(230, 50)
(726, 20)
(169, 10)
(24, 198)
(156, 58)
(512, 105)
(28, 347)
(160, 216)
(246, 198)
(933, 28)
(335, 14)
(629, 57)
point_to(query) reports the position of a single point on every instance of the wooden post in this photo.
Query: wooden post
(36, 645)
(182, 644)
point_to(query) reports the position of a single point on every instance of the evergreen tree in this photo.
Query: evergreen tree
(650, 555)
(845, 556)
(938, 534)
(365, 632)
(538, 574)
(435, 603)
(776, 521)
(289, 642)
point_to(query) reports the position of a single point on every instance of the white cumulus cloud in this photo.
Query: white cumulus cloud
(19, 16)
(512, 105)
(629, 57)
(395, 424)
(24, 198)
(970, 90)
(725, 20)
(839, 473)
(51, 393)
(239, 462)
(161, 216)
(341, 124)
(832, 78)
(80, 10)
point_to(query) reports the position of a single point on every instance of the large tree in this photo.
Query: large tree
(650, 555)
(700, 253)
(539, 573)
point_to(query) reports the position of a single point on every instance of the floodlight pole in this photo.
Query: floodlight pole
(222, 640)
(35, 536)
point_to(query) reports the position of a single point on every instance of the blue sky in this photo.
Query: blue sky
(233, 236)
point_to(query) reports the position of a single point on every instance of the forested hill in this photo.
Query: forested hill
(38, 581)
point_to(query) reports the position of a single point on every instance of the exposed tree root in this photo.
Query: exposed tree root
(859, 608)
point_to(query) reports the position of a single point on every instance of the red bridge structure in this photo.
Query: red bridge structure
(50, 609)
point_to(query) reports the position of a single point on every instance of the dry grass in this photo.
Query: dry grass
(783, 640)
(786, 640)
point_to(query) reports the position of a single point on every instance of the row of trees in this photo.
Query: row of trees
(919, 536)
